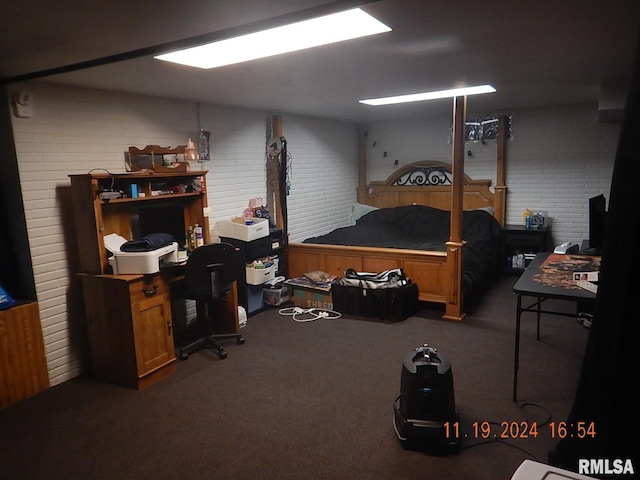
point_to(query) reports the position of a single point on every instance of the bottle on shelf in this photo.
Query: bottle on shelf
(190, 240)
(526, 218)
(199, 236)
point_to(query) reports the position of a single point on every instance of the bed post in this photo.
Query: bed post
(277, 170)
(500, 189)
(363, 190)
(275, 198)
(453, 308)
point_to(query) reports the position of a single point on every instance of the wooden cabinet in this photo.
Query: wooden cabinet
(23, 368)
(130, 328)
(129, 316)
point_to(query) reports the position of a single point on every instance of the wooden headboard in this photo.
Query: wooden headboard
(429, 183)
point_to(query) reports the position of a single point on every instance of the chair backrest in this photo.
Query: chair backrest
(221, 258)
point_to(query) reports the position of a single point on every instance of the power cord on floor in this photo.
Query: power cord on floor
(310, 314)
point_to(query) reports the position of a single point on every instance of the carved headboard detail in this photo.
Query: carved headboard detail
(429, 183)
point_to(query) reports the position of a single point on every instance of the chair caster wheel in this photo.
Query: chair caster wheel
(184, 356)
(240, 340)
(222, 354)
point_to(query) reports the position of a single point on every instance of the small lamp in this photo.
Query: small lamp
(190, 151)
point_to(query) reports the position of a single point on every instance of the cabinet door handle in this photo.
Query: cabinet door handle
(150, 293)
(169, 327)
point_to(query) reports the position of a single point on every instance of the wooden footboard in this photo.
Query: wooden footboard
(431, 271)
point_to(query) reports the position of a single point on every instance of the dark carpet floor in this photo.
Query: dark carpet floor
(307, 400)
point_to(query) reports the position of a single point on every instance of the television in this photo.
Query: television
(597, 220)
(166, 218)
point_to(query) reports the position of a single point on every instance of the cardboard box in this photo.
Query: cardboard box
(592, 287)
(307, 297)
(587, 280)
(587, 276)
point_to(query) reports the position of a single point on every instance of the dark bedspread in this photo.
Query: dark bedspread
(419, 227)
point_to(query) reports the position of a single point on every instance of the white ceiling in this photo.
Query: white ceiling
(543, 52)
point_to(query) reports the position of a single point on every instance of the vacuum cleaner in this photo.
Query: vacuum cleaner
(425, 413)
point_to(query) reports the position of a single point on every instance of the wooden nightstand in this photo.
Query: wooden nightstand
(518, 239)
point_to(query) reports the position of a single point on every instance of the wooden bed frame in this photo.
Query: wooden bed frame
(438, 274)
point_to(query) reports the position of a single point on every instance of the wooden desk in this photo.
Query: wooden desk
(550, 276)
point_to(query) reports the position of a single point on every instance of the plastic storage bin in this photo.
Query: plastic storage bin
(276, 296)
(236, 228)
(257, 276)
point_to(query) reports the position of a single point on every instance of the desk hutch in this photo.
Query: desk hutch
(129, 322)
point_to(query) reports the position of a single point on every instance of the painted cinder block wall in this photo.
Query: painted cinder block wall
(76, 130)
(559, 156)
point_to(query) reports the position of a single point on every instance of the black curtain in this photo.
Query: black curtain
(606, 392)
(16, 272)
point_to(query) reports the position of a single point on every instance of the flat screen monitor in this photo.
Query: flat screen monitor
(597, 216)
(161, 219)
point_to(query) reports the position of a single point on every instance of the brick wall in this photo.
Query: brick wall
(558, 158)
(324, 176)
(75, 130)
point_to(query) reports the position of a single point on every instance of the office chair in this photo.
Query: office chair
(211, 276)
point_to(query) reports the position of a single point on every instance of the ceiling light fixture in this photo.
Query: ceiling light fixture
(310, 33)
(419, 97)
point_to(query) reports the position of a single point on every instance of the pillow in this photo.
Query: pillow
(489, 210)
(6, 300)
(360, 209)
(319, 277)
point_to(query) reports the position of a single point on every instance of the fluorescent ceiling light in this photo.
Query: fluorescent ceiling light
(318, 31)
(419, 97)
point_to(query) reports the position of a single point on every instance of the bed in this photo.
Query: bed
(443, 266)
(420, 227)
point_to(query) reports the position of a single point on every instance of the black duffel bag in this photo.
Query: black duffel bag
(387, 295)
